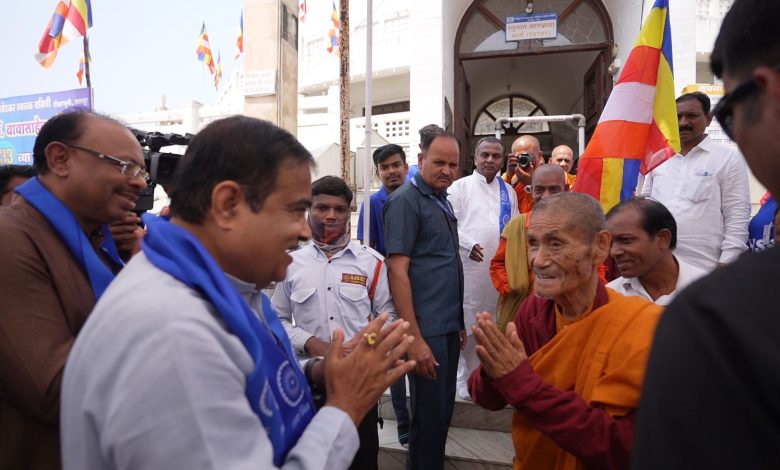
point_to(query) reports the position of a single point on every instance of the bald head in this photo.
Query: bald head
(547, 180)
(580, 213)
(526, 143)
(562, 156)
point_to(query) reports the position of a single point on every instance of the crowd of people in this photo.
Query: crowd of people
(637, 338)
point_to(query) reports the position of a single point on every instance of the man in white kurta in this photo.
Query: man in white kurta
(483, 204)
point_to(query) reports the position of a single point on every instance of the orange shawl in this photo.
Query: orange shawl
(602, 357)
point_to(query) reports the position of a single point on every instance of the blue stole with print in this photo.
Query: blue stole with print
(276, 389)
(68, 228)
(506, 206)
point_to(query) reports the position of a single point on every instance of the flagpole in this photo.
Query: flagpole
(367, 160)
(344, 90)
(86, 62)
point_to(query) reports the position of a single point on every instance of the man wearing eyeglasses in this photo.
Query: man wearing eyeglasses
(712, 385)
(705, 187)
(58, 257)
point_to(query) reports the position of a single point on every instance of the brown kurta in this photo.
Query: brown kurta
(45, 297)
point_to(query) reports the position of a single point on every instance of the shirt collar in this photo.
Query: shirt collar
(349, 248)
(246, 289)
(423, 187)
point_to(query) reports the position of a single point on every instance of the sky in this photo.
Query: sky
(140, 50)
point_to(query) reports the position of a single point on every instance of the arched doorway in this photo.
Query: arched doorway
(565, 75)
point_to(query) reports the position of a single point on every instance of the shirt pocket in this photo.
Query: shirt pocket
(699, 187)
(300, 296)
(354, 294)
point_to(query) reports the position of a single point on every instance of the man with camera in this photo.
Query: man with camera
(529, 156)
(58, 258)
(483, 204)
(184, 363)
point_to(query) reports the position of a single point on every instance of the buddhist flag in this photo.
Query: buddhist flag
(80, 73)
(70, 20)
(240, 37)
(333, 33)
(637, 130)
(302, 10)
(218, 71)
(204, 49)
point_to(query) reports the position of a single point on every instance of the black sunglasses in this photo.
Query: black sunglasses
(724, 110)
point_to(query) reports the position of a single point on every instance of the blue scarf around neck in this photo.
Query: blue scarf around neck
(276, 389)
(70, 231)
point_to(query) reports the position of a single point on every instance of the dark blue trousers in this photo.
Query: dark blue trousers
(432, 404)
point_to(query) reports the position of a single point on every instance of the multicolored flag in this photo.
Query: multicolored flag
(240, 38)
(204, 49)
(637, 130)
(80, 73)
(333, 33)
(302, 10)
(70, 20)
(218, 71)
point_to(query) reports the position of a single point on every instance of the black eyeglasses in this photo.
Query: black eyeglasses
(131, 169)
(724, 110)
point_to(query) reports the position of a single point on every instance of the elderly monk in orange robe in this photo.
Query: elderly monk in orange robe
(573, 360)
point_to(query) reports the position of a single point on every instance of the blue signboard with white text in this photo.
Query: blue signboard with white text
(21, 118)
(536, 26)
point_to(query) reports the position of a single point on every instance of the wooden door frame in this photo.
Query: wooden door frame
(478, 7)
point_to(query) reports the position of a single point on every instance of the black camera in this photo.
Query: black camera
(525, 159)
(160, 165)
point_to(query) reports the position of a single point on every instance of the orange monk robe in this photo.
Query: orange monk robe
(576, 395)
(525, 202)
(570, 179)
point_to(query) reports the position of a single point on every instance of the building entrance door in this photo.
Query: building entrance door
(497, 78)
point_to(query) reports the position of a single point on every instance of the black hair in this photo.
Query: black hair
(696, 95)
(386, 151)
(332, 186)
(243, 149)
(490, 140)
(66, 127)
(9, 171)
(655, 216)
(749, 36)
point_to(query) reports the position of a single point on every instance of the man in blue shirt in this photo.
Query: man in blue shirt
(426, 281)
(391, 169)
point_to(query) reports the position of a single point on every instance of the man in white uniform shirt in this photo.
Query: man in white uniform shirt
(644, 233)
(483, 205)
(334, 283)
(705, 187)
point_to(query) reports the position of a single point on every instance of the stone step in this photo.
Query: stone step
(466, 449)
(465, 415)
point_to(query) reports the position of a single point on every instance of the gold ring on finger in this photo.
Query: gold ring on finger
(370, 338)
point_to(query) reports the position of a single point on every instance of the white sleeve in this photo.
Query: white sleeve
(647, 185)
(181, 404)
(735, 205)
(455, 197)
(284, 309)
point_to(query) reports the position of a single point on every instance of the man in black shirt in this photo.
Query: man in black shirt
(712, 391)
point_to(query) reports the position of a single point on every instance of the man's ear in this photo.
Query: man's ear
(226, 199)
(420, 158)
(665, 238)
(709, 118)
(57, 159)
(601, 245)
